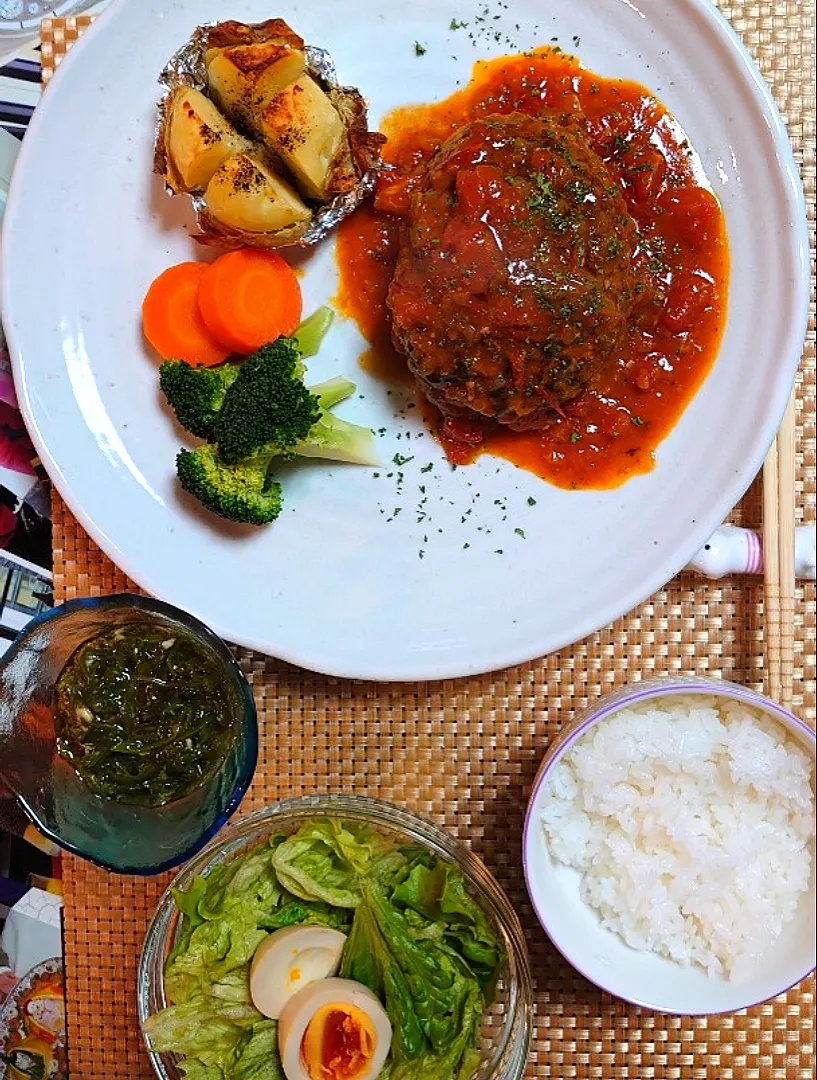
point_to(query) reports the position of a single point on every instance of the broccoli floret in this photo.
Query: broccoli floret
(268, 409)
(259, 412)
(196, 394)
(267, 403)
(244, 492)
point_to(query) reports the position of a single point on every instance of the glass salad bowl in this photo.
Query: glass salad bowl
(505, 1029)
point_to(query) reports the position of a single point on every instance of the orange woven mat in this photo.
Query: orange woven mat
(465, 752)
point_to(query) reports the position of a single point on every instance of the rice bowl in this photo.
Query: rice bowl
(669, 846)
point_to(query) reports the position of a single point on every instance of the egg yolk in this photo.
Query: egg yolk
(338, 1044)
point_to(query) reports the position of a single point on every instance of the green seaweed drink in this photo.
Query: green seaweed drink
(144, 713)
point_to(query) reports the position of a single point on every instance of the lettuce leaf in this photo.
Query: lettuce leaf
(248, 881)
(294, 911)
(324, 860)
(459, 1060)
(433, 999)
(203, 1028)
(258, 1058)
(436, 976)
(188, 905)
(438, 893)
(195, 1070)
(220, 1043)
(368, 959)
(214, 950)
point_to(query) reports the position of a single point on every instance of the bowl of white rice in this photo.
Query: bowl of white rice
(669, 846)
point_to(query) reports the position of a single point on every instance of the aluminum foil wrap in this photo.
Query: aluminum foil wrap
(187, 67)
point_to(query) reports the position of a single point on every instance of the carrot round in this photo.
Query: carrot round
(172, 322)
(248, 298)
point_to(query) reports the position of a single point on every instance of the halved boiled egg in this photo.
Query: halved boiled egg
(335, 1029)
(290, 959)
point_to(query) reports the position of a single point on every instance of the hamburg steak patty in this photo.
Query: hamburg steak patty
(518, 270)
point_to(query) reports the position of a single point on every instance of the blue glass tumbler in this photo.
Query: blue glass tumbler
(118, 836)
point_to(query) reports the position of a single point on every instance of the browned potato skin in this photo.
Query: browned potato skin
(233, 32)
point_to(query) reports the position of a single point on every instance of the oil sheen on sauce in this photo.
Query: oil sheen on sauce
(611, 430)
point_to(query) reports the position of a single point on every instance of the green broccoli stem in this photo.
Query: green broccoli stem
(332, 391)
(312, 331)
(338, 440)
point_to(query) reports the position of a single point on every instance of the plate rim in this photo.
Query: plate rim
(440, 667)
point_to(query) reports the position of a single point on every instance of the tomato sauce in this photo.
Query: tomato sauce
(610, 431)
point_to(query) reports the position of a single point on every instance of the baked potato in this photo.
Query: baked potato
(255, 128)
(244, 193)
(198, 140)
(305, 129)
(245, 78)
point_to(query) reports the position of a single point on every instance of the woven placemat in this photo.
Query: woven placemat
(465, 752)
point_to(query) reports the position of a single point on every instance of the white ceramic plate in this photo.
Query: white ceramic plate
(338, 584)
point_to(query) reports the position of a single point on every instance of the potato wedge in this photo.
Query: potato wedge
(243, 79)
(197, 140)
(245, 194)
(303, 127)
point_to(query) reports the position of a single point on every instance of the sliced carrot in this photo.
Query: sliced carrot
(249, 297)
(171, 319)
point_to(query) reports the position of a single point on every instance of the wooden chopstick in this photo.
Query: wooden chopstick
(778, 560)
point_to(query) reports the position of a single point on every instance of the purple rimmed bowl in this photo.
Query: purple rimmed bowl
(601, 956)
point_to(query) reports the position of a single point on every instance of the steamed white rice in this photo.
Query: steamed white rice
(692, 822)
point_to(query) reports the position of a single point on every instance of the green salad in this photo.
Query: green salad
(415, 938)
